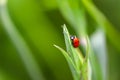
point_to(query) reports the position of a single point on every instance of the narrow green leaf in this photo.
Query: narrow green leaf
(98, 42)
(84, 71)
(74, 13)
(96, 68)
(20, 44)
(94, 63)
(112, 34)
(85, 67)
(70, 62)
(75, 55)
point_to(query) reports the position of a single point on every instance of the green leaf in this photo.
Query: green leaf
(96, 68)
(85, 71)
(94, 64)
(70, 62)
(98, 42)
(74, 13)
(102, 21)
(75, 55)
(20, 44)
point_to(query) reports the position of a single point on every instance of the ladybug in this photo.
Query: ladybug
(75, 41)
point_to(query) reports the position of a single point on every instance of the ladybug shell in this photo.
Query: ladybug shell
(75, 42)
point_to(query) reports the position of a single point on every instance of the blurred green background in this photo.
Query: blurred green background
(38, 23)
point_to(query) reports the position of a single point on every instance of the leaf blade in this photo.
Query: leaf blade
(70, 62)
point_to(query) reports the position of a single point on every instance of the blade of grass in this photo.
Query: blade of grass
(86, 67)
(93, 63)
(73, 56)
(76, 57)
(70, 62)
(96, 69)
(98, 42)
(112, 34)
(18, 41)
(74, 13)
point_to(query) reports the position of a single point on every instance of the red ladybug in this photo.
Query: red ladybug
(75, 41)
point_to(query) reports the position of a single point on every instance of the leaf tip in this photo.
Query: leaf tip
(54, 45)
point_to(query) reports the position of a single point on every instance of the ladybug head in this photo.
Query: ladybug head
(72, 37)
